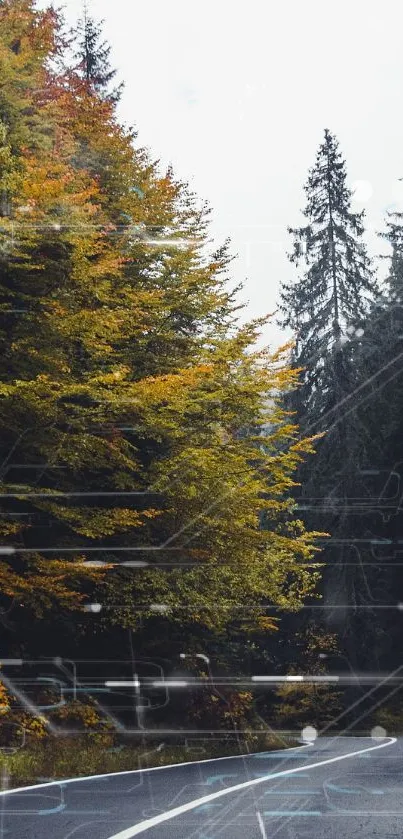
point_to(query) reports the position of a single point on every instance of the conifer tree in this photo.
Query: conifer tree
(336, 286)
(93, 55)
(326, 307)
(394, 236)
(380, 370)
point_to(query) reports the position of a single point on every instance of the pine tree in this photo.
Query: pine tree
(93, 55)
(380, 372)
(334, 291)
(394, 236)
(327, 307)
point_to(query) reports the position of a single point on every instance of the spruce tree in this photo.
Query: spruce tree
(93, 55)
(380, 370)
(326, 307)
(394, 236)
(333, 292)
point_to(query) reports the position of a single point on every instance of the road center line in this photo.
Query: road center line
(141, 827)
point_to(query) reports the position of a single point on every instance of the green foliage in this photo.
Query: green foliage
(305, 649)
(125, 372)
(327, 306)
(79, 758)
(298, 706)
(335, 288)
(93, 57)
(138, 421)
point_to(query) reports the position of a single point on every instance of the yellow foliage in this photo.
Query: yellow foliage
(126, 384)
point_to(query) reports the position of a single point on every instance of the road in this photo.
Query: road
(335, 787)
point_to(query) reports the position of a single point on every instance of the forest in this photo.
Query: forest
(179, 505)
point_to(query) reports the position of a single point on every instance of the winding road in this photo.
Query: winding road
(336, 787)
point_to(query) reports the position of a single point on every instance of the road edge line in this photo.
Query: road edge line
(144, 769)
(141, 827)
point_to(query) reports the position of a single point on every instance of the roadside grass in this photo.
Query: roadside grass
(69, 757)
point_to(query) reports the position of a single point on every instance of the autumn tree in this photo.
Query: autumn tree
(133, 472)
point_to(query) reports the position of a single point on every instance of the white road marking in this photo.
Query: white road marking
(141, 827)
(261, 824)
(61, 781)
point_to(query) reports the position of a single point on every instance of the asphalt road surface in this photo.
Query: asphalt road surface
(336, 787)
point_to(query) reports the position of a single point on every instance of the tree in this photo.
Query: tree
(311, 651)
(326, 307)
(379, 408)
(335, 290)
(124, 383)
(93, 56)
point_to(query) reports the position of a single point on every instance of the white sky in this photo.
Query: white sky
(236, 95)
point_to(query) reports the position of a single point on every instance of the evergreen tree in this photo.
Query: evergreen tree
(334, 291)
(394, 236)
(380, 408)
(326, 307)
(93, 55)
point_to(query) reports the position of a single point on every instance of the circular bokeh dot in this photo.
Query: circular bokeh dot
(378, 732)
(309, 733)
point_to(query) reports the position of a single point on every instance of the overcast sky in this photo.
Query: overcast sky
(236, 95)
